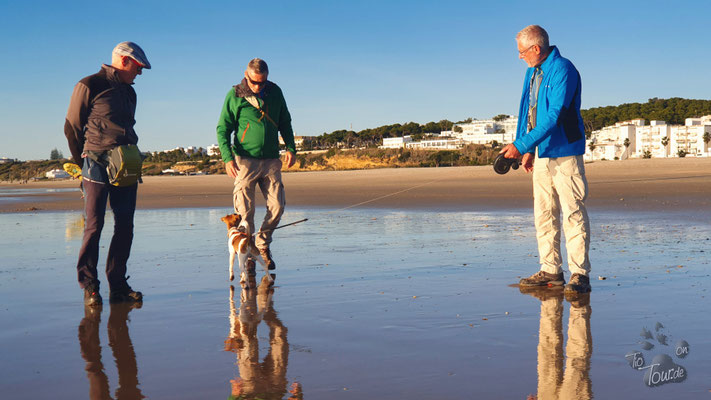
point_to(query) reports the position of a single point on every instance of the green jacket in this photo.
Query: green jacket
(256, 135)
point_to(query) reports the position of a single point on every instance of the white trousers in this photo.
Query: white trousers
(559, 185)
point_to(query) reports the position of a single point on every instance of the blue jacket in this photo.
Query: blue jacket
(559, 130)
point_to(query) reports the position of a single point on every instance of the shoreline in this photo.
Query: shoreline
(631, 185)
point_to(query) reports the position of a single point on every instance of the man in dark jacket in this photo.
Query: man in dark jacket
(100, 118)
(255, 110)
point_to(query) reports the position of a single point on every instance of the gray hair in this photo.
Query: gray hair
(258, 66)
(533, 35)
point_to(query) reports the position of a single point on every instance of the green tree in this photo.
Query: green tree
(55, 154)
(627, 146)
(665, 141)
(674, 111)
(707, 139)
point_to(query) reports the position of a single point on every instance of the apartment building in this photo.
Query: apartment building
(485, 131)
(658, 139)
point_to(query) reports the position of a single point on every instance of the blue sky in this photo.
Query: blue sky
(340, 64)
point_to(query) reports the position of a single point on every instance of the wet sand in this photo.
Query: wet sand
(641, 185)
(369, 304)
(398, 298)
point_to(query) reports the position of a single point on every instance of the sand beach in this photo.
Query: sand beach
(672, 184)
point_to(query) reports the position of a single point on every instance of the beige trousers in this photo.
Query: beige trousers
(559, 184)
(267, 174)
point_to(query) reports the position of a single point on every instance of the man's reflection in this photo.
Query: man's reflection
(554, 381)
(121, 346)
(266, 379)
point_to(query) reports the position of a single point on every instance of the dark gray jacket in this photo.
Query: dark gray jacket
(101, 114)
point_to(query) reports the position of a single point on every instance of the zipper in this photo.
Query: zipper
(244, 133)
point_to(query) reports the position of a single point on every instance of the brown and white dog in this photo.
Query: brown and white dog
(241, 243)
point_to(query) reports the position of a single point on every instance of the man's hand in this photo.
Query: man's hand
(290, 159)
(527, 162)
(510, 151)
(231, 168)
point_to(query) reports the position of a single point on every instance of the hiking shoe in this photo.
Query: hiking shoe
(578, 284)
(92, 298)
(541, 278)
(267, 256)
(125, 294)
(542, 293)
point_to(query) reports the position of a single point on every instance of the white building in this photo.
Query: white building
(57, 174)
(609, 142)
(649, 139)
(396, 142)
(213, 150)
(690, 137)
(658, 139)
(486, 131)
(437, 144)
(298, 141)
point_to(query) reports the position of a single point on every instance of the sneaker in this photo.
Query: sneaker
(578, 284)
(92, 298)
(267, 256)
(125, 294)
(541, 278)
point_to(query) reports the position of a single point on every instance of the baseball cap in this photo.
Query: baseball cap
(134, 51)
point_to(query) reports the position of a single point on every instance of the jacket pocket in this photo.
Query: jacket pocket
(244, 133)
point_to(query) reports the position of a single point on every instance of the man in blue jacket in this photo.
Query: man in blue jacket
(550, 141)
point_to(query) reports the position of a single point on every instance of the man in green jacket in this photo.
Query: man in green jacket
(255, 110)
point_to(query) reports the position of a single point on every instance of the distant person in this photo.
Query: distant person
(255, 111)
(100, 118)
(550, 130)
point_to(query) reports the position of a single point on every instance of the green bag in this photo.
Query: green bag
(125, 162)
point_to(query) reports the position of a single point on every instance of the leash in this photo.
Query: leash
(289, 224)
(357, 204)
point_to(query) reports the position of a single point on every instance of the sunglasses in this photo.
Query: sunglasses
(256, 83)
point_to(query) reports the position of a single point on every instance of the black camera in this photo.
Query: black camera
(502, 164)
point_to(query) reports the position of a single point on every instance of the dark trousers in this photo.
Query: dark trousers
(123, 205)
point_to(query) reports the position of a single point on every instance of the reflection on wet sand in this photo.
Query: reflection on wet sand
(121, 347)
(554, 381)
(265, 380)
(73, 227)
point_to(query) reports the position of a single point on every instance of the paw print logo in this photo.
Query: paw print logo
(662, 369)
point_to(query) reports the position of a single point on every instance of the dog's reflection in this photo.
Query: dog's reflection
(121, 347)
(563, 376)
(265, 379)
